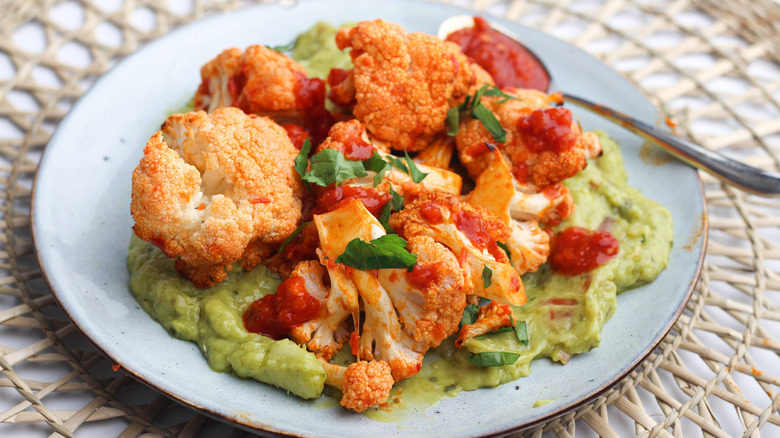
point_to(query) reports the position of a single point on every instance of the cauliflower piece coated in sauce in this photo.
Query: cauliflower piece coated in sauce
(404, 82)
(542, 149)
(265, 82)
(471, 234)
(257, 80)
(216, 189)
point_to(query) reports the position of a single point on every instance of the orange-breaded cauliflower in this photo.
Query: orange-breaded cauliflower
(496, 191)
(430, 299)
(404, 82)
(544, 145)
(325, 334)
(491, 316)
(363, 384)
(351, 139)
(391, 317)
(259, 80)
(472, 235)
(214, 189)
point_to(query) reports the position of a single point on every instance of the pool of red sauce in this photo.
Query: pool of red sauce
(335, 197)
(276, 314)
(508, 62)
(576, 250)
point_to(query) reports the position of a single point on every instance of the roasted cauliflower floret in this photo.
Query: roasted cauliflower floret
(471, 235)
(544, 145)
(495, 191)
(404, 82)
(215, 189)
(326, 334)
(353, 141)
(430, 299)
(363, 384)
(380, 334)
(258, 80)
(491, 316)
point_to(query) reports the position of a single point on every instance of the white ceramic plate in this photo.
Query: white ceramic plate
(82, 225)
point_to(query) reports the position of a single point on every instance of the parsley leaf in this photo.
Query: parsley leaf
(414, 171)
(293, 235)
(284, 47)
(473, 105)
(398, 200)
(490, 122)
(504, 246)
(521, 330)
(469, 314)
(375, 163)
(384, 218)
(330, 166)
(302, 159)
(453, 121)
(398, 164)
(487, 276)
(386, 252)
(493, 358)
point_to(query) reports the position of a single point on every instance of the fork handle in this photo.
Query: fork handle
(750, 179)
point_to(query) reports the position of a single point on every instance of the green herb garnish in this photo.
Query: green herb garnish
(292, 236)
(487, 276)
(330, 166)
(302, 159)
(376, 164)
(493, 358)
(414, 171)
(469, 314)
(504, 246)
(384, 218)
(472, 105)
(386, 252)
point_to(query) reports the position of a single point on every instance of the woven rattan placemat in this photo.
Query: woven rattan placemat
(714, 67)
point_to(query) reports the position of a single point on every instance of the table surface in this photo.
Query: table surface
(713, 67)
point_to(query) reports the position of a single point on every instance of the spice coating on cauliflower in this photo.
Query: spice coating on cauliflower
(543, 144)
(404, 82)
(363, 384)
(471, 234)
(215, 189)
(258, 80)
(430, 299)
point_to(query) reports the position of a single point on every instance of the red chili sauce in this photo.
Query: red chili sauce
(355, 147)
(547, 129)
(423, 275)
(471, 224)
(296, 133)
(276, 314)
(335, 197)
(575, 250)
(510, 64)
(304, 246)
(431, 213)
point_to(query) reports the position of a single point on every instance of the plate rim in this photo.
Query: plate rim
(580, 403)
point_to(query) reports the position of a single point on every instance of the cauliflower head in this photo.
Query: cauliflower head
(496, 191)
(215, 189)
(259, 80)
(404, 82)
(544, 145)
(471, 235)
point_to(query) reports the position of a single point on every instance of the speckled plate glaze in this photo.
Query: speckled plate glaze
(82, 225)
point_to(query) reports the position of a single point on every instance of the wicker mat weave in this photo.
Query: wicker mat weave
(702, 380)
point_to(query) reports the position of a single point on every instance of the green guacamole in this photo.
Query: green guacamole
(212, 319)
(317, 52)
